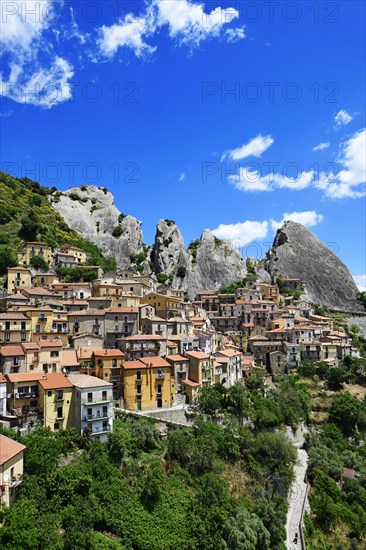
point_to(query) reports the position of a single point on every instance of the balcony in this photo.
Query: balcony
(91, 417)
(96, 401)
(102, 429)
(160, 376)
(42, 319)
(25, 395)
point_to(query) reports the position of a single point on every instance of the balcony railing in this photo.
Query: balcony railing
(101, 429)
(95, 400)
(90, 417)
(24, 395)
(160, 375)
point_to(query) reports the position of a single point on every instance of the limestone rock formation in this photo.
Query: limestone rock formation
(297, 252)
(91, 211)
(208, 262)
(168, 247)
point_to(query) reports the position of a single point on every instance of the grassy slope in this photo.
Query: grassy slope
(23, 198)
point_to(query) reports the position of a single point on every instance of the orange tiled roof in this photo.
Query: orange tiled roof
(9, 448)
(55, 381)
(11, 350)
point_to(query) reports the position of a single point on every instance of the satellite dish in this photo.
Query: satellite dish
(5, 477)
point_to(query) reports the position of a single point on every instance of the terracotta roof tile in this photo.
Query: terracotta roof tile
(9, 448)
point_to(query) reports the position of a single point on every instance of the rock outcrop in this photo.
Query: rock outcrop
(298, 253)
(91, 211)
(206, 264)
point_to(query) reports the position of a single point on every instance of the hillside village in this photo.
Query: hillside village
(139, 342)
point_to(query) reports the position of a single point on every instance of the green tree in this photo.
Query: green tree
(29, 228)
(208, 400)
(7, 258)
(37, 262)
(344, 412)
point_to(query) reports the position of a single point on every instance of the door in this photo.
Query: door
(160, 402)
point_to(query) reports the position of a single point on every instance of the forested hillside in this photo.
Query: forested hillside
(26, 215)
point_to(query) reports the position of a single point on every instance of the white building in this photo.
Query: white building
(2, 395)
(232, 365)
(93, 407)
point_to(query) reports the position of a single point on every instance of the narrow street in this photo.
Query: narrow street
(297, 495)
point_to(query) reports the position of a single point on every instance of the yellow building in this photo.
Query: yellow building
(201, 368)
(18, 277)
(11, 469)
(49, 359)
(33, 249)
(47, 323)
(165, 306)
(22, 391)
(147, 383)
(45, 279)
(75, 252)
(126, 300)
(105, 364)
(15, 327)
(56, 401)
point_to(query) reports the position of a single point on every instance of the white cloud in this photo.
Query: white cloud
(342, 118)
(24, 40)
(250, 180)
(302, 181)
(360, 281)
(255, 147)
(323, 145)
(23, 21)
(41, 86)
(242, 233)
(182, 177)
(234, 35)
(308, 218)
(349, 182)
(189, 23)
(128, 32)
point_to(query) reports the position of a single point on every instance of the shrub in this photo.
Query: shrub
(37, 262)
(117, 231)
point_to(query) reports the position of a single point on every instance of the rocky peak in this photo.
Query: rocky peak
(91, 211)
(298, 253)
(168, 247)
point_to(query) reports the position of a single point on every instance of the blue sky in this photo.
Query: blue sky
(232, 116)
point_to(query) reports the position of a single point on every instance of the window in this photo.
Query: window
(7, 336)
(56, 425)
(49, 393)
(38, 328)
(159, 388)
(59, 412)
(138, 389)
(89, 412)
(138, 376)
(23, 336)
(125, 318)
(33, 403)
(7, 325)
(60, 394)
(90, 398)
(105, 411)
(54, 353)
(104, 396)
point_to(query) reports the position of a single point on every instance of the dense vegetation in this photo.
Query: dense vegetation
(335, 443)
(208, 487)
(26, 215)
